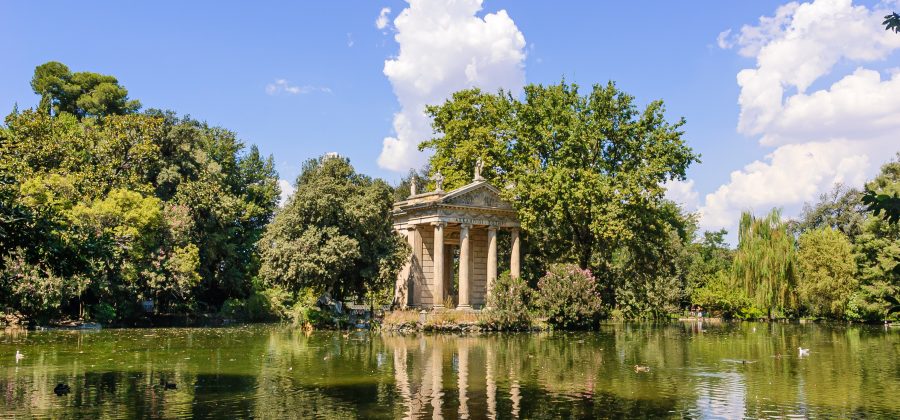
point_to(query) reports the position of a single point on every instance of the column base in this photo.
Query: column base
(464, 308)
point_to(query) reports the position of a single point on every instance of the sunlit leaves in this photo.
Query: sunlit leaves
(765, 262)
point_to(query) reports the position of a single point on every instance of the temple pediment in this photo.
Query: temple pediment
(478, 194)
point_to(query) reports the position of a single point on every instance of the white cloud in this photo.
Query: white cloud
(723, 40)
(798, 46)
(287, 190)
(382, 21)
(840, 133)
(682, 192)
(787, 177)
(445, 47)
(283, 86)
(349, 39)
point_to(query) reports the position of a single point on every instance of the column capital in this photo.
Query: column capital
(440, 223)
(492, 228)
(465, 226)
(411, 227)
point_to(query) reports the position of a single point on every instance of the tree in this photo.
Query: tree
(334, 234)
(585, 172)
(892, 22)
(719, 296)
(878, 251)
(76, 183)
(708, 260)
(838, 209)
(884, 204)
(827, 272)
(765, 262)
(80, 94)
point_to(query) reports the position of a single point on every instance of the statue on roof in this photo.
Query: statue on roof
(438, 181)
(479, 165)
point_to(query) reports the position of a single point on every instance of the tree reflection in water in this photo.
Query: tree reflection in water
(719, 370)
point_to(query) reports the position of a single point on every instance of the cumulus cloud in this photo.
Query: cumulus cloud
(723, 40)
(840, 133)
(382, 21)
(444, 47)
(683, 193)
(287, 190)
(282, 86)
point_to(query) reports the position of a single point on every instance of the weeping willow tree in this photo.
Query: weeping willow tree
(765, 262)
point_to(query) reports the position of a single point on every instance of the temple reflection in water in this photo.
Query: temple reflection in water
(424, 366)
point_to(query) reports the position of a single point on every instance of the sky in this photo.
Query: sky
(782, 100)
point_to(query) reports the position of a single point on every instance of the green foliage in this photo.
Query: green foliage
(138, 205)
(508, 304)
(80, 94)
(569, 297)
(892, 22)
(884, 204)
(827, 272)
(34, 290)
(103, 313)
(585, 173)
(651, 281)
(334, 235)
(878, 255)
(765, 262)
(838, 209)
(719, 297)
(402, 190)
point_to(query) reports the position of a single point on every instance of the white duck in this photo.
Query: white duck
(803, 351)
(19, 356)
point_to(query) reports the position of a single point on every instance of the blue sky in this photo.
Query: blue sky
(214, 61)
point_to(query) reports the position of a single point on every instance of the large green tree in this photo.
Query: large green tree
(128, 207)
(878, 251)
(334, 235)
(827, 271)
(765, 262)
(81, 93)
(839, 209)
(585, 172)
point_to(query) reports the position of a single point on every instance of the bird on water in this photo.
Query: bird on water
(62, 389)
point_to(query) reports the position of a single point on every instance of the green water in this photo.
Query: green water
(708, 371)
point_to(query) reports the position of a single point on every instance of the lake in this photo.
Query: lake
(709, 370)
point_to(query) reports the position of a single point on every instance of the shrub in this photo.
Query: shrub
(569, 297)
(508, 304)
(34, 289)
(103, 313)
(721, 297)
(265, 305)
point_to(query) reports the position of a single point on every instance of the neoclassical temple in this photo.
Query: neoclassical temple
(437, 222)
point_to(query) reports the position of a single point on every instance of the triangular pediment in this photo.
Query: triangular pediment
(476, 194)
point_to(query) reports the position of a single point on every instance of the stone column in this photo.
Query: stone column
(401, 296)
(491, 262)
(437, 275)
(515, 269)
(465, 280)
